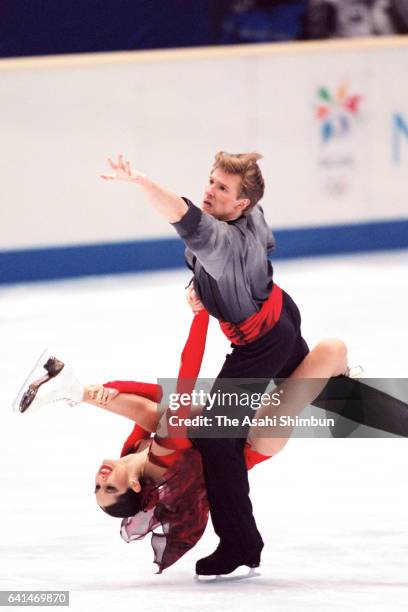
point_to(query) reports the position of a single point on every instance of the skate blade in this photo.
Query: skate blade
(252, 573)
(36, 373)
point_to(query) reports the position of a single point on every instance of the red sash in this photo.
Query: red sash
(258, 324)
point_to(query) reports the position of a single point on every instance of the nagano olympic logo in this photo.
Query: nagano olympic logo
(336, 111)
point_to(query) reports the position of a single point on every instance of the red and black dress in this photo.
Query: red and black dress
(177, 505)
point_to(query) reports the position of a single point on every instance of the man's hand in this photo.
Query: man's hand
(193, 300)
(123, 171)
(168, 204)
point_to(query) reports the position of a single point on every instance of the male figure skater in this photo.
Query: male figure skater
(227, 242)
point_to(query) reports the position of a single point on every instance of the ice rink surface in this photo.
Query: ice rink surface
(333, 513)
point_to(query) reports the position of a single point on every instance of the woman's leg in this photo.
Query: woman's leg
(327, 359)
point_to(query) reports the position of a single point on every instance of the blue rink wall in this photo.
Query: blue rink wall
(141, 256)
(333, 135)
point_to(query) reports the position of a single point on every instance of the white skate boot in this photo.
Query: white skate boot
(49, 381)
(354, 372)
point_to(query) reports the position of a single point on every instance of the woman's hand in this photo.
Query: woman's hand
(123, 171)
(193, 300)
(102, 395)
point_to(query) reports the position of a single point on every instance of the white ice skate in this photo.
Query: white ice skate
(49, 381)
(354, 372)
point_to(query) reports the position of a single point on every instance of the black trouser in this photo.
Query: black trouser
(275, 355)
(362, 404)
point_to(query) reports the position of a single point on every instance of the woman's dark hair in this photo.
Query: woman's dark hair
(127, 504)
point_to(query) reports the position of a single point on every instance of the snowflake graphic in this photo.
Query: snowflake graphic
(336, 111)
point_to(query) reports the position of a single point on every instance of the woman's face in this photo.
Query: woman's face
(111, 480)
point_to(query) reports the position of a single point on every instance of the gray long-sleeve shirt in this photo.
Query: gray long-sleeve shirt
(232, 274)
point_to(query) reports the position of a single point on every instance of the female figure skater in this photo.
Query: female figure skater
(158, 481)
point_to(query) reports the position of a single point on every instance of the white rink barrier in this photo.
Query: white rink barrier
(330, 118)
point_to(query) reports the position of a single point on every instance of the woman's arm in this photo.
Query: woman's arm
(139, 409)
(168, 204)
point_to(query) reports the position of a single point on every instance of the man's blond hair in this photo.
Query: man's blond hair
(245, 165)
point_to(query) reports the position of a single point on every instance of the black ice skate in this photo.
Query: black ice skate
(221, 563)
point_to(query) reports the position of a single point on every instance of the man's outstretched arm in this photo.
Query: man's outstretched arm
(168, 204)
(204, 235)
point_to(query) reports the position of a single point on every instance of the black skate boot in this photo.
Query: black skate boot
(222, 562)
